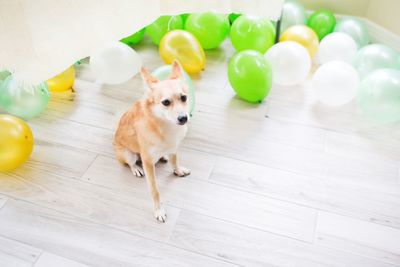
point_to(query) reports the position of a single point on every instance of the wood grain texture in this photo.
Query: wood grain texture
(52, 260)
(15, 254)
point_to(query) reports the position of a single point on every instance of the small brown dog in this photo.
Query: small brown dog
(153, 128)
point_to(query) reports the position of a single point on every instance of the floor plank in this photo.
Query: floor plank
(52, 260)
(90, 243)
(250, 247)
(13, 253)
(209, 199)
(360, 237)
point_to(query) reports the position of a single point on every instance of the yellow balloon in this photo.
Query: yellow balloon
(183, 46)
(63, 81)
(303, 35)
(16, 142)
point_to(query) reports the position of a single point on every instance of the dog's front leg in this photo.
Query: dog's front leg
(149, 171)
(178, 170)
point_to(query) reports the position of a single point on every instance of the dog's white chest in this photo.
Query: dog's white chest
(172, 138)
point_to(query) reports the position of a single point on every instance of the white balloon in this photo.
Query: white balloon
(115, 63)
(335, 83)
(337, 46)
(290, 63)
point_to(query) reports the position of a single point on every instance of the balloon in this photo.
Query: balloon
(337, 46)
(163, 72)
(233, 17)
(184, 47)
(184, 18)
(373, 57)
(335, 83)
(378, 96)
(250, 75)
(209, 28)
(251, 32)
(293, 14)
(4, 74)
(322, 22)
(16, 142)
(135, 38)
(290, 63)
(355, 28)
(22, 100)
(304, 36)
(161, 26)
(63, 81)
(115, 63)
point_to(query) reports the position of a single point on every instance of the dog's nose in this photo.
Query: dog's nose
(182, 119)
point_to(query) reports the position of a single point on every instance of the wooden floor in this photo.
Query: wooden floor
(285, 183)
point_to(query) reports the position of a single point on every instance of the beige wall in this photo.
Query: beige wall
(383, 12)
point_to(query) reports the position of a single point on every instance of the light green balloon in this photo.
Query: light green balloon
(355, 28)
(135, 38)
(379, 96)
(161, 26)
(25, 101)
(250, 75)
(163, 72)
(209, 28)
(251, 32)
(293, 14)
(373, 57)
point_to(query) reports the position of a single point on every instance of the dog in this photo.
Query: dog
(152, 129)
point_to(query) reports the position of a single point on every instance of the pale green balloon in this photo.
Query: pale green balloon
(163, 72)
(293, 14)
(373, 57)
(22, 100)
(379, 96)
(355, 28)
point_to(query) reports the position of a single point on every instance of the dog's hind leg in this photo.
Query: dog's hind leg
(124, 156)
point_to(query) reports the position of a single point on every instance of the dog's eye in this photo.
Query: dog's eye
(166, 102)
(183, 98)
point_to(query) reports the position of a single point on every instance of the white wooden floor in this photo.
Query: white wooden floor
(285, 183)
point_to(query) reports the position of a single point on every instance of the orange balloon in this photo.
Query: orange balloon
(183, 46)
(302, 35)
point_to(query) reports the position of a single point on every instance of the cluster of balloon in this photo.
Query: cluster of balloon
(135, 38)
(115, 63)
(373, 57)
(16, 142)
(184, 47)
(62, 82)
(290, 63)
(322, 22)
(250, 75)
(379, 95)
(233, 17)
(251, 32)
(335, 83)
(302, 35)
(293, 14)
(163, 73)
(337, 46)
(210, 28)
(161, 26)
(355, 28)
(23, 100)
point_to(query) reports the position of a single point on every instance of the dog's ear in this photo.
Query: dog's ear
(147, 77)
(177, 71)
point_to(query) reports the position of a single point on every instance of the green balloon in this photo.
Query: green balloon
(135, 38)
(163, 72)
(209, 28)
(375, 56)
(322, 22)
(250, 75)
(233, 17)
(23, 100)
(293, 14)
(379, 96)
(355, 28)
(161, 26)
(251, 32)
(184, 18)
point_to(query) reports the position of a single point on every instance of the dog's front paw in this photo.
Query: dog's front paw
(181, 171)
(137, 172)
(160, 214)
